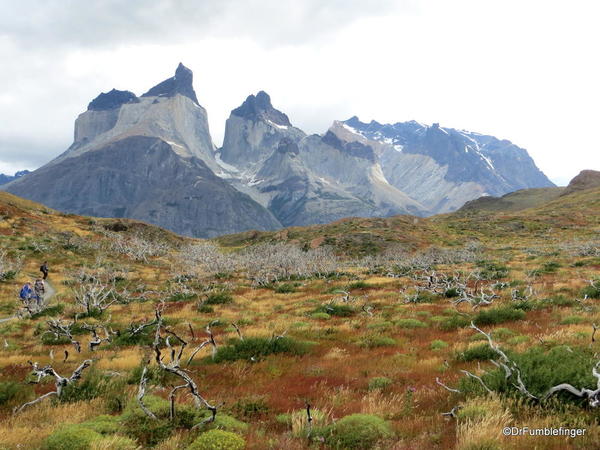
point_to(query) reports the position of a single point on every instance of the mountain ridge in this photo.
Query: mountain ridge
(268, 168)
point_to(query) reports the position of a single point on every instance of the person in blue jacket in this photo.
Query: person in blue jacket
(26, 292)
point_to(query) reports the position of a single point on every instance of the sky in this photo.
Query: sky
(527, 70)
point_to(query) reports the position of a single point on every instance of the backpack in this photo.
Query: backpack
(25, 291)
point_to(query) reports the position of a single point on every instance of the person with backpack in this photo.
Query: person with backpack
(44, 269)
(39, 290)
(26, 292)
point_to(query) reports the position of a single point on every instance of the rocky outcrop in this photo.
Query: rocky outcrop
(586, 179)
(111, 100)
(181, 83)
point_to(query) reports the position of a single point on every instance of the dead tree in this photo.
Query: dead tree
(522, 295)
(210, 341)
(60, 382)
(136, 329)
(96, 339)
(174, 367)
(142, 393)
(59, 328)
(504, 362)
(95, 296)
(592, 395)
(238, 331)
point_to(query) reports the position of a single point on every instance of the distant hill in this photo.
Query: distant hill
(4, 179)
(514, 201)
(526, 214)
(587, 179)
(531, 198)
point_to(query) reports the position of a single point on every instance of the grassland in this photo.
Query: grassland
(367, 334)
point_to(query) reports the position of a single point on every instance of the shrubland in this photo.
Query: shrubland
(366, 333)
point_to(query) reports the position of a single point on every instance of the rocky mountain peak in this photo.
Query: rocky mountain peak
(111, 100)
(180, 83)
(259, 107)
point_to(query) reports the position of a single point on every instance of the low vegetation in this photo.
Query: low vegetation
(362, 334)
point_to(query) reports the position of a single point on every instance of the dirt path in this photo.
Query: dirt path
(50, 292)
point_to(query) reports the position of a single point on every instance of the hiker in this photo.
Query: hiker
(39, 290)
(26, 292)
(44, 269)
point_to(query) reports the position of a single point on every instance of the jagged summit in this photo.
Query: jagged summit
(180, 83)
(259, 106)
(111, 100)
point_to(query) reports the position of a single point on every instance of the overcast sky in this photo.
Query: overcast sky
(523, 70)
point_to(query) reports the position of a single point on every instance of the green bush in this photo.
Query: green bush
(258, 347)
(51, 311)
(453, 322)
(492, 271)
(103, 424)
(71, 437)
(320, 316)
(336, 310)
(205, 308)
(572, 320)
(374, 341)
(218, 440)
(252, 406)
(8, 275)
(410, 323)
(359, 285)
(143, 338)
(379, 383)
(437, 344)
(517, 340)
(285, 288)
(51, 339)
(218, 298)
(10, 390)
(452, 292)
(498, 315)
(540, 370)
(93, 384)
(358, 431)
(182, 297)
(550, 267)
(560, 300)
(502, 333)
(482, 352)
(593, 290)
(145, 430)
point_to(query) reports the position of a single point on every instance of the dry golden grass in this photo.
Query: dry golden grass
(29, 428)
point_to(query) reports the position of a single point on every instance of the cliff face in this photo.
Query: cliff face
(149, 158)
(444, 168)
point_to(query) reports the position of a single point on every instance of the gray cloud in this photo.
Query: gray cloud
(492, 67)
(104, 23)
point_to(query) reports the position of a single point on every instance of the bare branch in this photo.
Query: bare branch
(437, 380)
(60, 382)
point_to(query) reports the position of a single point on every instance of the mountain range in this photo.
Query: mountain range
(152, 158)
